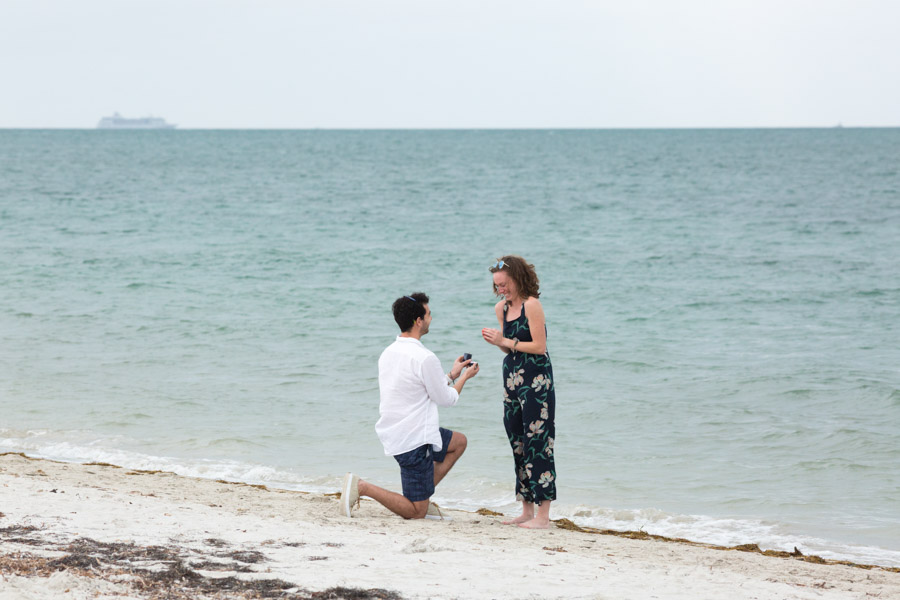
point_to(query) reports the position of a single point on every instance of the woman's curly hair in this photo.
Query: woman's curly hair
(521, 272)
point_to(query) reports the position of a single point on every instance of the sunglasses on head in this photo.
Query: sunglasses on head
(499, 265)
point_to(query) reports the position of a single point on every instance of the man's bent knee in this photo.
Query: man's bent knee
(458, 443)
(420, 509)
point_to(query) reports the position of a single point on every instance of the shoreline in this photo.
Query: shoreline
(565, 521)
(101, 528)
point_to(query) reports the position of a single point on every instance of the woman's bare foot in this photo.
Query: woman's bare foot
(536, 523)
(523, 518)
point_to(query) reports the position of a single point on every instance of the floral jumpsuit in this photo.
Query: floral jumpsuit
(529, 406)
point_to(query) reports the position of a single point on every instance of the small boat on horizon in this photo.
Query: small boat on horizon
(117, 121)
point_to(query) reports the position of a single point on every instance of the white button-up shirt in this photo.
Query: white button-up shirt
(413, 385)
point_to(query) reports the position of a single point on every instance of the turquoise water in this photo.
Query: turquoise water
(722, 309)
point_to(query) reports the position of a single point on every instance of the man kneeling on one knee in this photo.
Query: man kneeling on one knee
(413, 385)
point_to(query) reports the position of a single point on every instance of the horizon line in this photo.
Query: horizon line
(472, 128)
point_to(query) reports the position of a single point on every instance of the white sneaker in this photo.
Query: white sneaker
(434, 512)
(349, 494)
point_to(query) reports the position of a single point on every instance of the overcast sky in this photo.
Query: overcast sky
(459, 63)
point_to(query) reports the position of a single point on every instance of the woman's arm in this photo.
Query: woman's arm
(495, 336)
(534, 312)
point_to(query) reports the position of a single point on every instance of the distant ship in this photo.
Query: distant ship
(117, 121)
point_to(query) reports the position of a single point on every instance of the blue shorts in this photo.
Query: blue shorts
(417, 468)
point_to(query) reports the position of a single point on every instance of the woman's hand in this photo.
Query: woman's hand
(493, 336)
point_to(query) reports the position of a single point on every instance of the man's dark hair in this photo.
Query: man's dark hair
(409, 308)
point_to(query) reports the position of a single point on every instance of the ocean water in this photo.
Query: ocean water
(722, 306)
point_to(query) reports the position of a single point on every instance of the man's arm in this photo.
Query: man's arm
(436, 382)
(471, 371)
(458, 365)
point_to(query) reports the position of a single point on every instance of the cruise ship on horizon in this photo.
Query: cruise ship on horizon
(117, 121)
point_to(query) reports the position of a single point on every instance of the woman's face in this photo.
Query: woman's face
(506, 287)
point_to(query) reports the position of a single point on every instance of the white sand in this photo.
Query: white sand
(473, 556)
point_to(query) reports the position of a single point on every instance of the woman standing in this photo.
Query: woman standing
(529, 401)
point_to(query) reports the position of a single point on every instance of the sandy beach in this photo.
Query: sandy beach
(100, 531)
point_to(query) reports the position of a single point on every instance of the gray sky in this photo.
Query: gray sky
(459, 63)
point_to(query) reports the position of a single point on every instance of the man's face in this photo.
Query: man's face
(426, 320)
